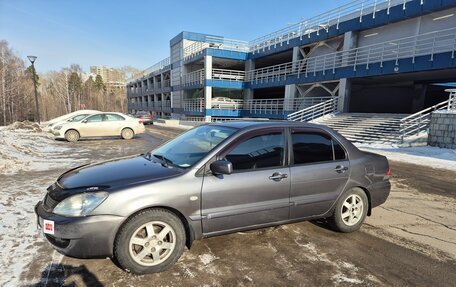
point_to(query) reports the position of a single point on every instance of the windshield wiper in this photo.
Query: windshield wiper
(166, 160)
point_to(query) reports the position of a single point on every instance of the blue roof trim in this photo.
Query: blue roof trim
(190, 36)
(227, 54)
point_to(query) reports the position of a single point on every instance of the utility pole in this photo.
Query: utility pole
(37, 106)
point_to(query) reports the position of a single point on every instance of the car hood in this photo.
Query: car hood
(111, 174)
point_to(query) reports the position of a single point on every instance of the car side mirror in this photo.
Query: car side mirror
(221, 167)
(84, 121)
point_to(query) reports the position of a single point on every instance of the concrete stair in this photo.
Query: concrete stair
(365, 127)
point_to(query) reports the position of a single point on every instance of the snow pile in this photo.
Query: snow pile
(25, 125)
(27, 148)
(434, 157)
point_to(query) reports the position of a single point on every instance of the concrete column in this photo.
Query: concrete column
(344, 95)
(290, 90)
(249, 66)
(290, 95)
(350, 42)
(208, 89)
(419, 96)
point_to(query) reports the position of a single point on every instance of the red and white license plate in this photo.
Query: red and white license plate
(48, 226)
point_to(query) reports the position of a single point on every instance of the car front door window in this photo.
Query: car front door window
(261, 151)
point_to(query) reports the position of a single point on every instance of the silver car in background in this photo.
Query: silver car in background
(212, 180)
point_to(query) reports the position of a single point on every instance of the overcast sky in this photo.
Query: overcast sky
(136, 33)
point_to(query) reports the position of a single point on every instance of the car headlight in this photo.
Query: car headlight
(80, 204)
(58, 127)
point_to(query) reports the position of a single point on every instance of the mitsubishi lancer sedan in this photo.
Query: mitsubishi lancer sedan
(214, 179)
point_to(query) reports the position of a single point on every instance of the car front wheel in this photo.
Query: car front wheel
(72, 135)
(150, 241)
(350, 211)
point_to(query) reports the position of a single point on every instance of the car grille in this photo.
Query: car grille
(49, 202)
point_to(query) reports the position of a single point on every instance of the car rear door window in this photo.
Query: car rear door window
(311, 147)
(95, 118)
(260, 151)
(113, 117)
(339, 152)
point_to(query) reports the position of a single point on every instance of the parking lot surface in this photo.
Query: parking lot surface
(409, 241)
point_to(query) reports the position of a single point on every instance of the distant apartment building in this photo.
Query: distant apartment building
(113, 78)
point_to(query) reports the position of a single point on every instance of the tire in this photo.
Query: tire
(127, 134)
(350, 211)
(138, 252)
(72, 135)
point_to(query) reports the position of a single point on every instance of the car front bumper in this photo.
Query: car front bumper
(58, 133)
(81, 237)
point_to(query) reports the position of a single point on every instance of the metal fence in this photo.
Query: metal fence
(198, 76)
(452, 100)
(215, 43)
(315, 111)
(161, 65)
(195, 77)
(280, 105)
(394, 50)
(352, 10)
(419, 121)
(228, 75)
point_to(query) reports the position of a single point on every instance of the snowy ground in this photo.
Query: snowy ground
(29, 150)
(429, 156)
(29, 163)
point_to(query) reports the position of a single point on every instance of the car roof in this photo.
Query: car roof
(252, 124)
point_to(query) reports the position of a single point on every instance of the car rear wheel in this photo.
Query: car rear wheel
(72, 135)
(149, 242)
(127, 134)
(350, 211)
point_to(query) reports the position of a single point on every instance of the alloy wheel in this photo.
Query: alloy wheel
(352, 210)
(152, 243)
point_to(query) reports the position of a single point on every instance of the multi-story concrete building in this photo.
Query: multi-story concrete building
(113, 78)
(368, 56)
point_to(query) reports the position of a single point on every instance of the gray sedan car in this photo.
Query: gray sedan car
(212, 180)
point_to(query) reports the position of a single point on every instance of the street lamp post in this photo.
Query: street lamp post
(37, 106)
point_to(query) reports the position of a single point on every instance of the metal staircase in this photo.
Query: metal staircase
(371, 127)
(364, 127)
(420, 121)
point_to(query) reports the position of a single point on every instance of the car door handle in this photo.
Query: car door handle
(277, 176)
(341, 169)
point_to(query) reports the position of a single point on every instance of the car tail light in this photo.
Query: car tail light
(140, 122)
(388, 173)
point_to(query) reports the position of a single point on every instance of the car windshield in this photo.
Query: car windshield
(190, 147)
(77, 118)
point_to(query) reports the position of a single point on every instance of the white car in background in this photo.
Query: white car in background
(100, 125)
(52, 123)
(226, 103)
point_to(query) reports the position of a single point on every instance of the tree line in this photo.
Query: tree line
(59, 92)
